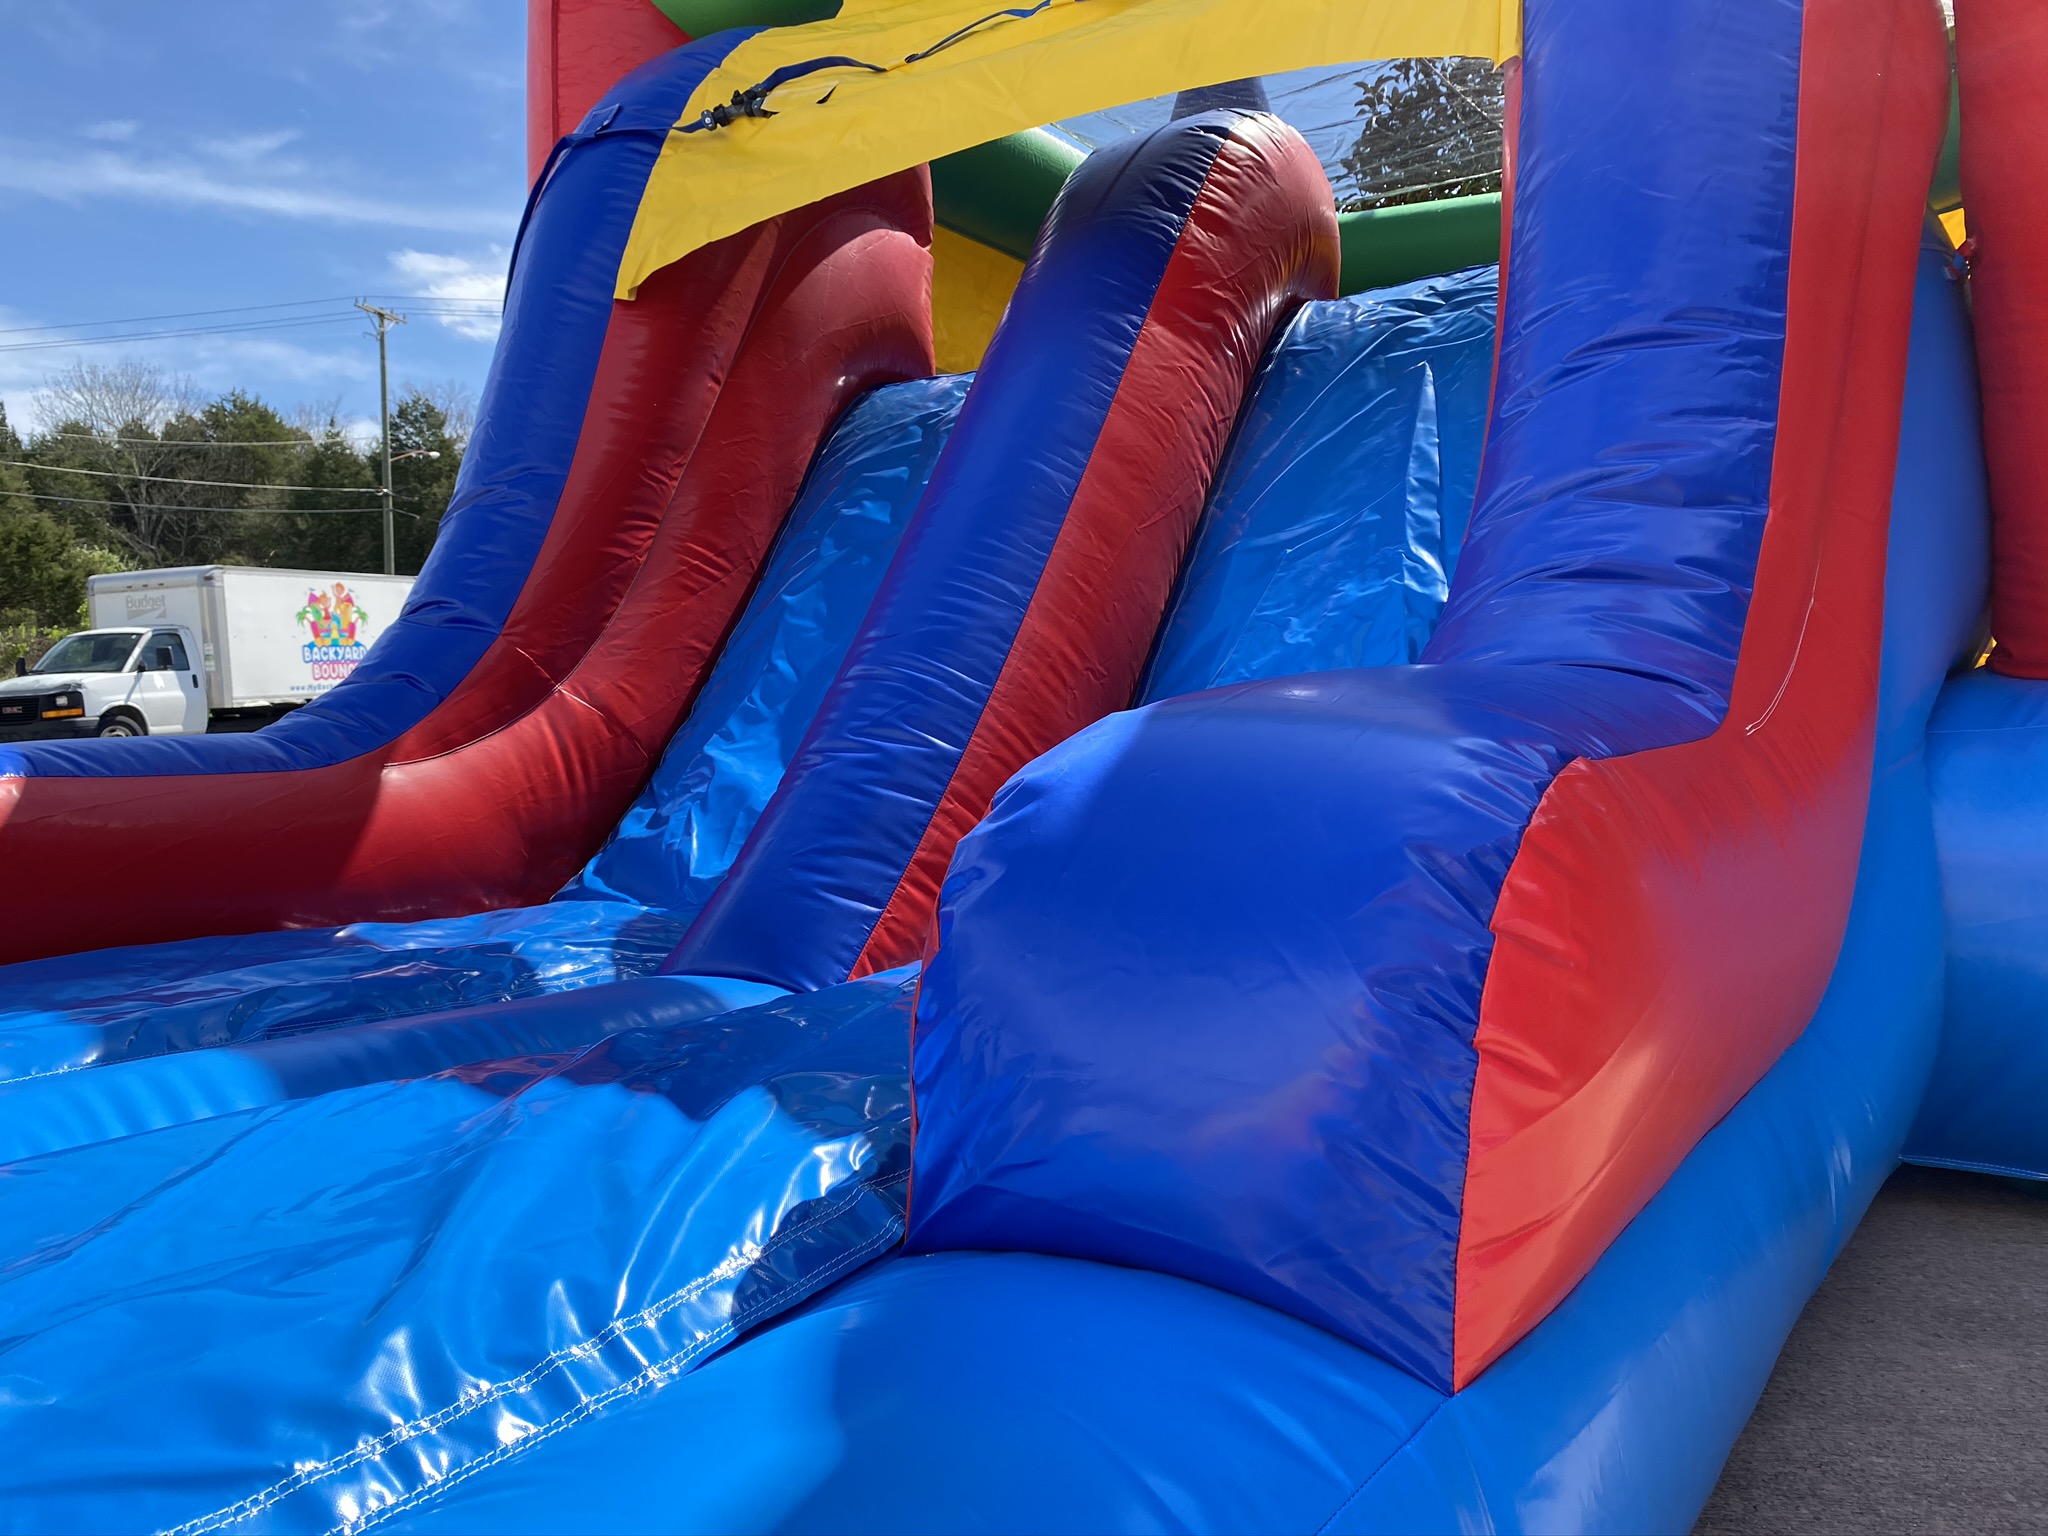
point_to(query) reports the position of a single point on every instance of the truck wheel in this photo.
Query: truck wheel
(120, 723)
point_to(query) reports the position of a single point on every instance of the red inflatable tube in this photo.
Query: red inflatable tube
(576, 50)
(1260, 241)
(713, 392)
(1671, 919)
(2001, 65)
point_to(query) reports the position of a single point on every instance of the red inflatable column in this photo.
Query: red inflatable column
(575, 51)
(2002, 65)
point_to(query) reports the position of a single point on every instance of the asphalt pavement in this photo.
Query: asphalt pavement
(1913, 1395)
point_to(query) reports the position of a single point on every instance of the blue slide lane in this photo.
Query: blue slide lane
(299, 1309)
(625, 912)
(1337, 514)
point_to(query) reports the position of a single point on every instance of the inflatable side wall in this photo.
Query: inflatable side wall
(1461, 988)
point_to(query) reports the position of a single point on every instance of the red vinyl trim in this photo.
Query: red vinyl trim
(1260, 240)
(2001, 60)
(1671, 919)
(662, 372)
(576, 50)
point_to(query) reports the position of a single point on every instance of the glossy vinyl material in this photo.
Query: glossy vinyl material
(1134, 1402)
(1095, 1097)
(1616, 1412)
(1339, 509)
(1987, 1105)
(1100, 1100)
(624, 913)
(72, 1109)
(674, 847)
(298, 1317)
(1112, 1410)
(107, 1006)
(570, 610)
(2001, 56)
(1031, 583)
(1614, 1029)
(1629, 456)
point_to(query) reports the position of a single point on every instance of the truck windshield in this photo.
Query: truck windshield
(87, 653)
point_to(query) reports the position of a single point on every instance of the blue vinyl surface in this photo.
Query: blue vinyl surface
(626, 911)
(913, 1398)
(805, 894)
(1337, 513)
(558, 305)
(1312, 864)
(1098, 967)
(674, 847)
(1629, 460)
(125, 1098)
(1987, 1106)
(1137, 1402)
(286, 1318)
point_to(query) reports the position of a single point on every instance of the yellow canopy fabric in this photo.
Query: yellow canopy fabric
(1008, 73)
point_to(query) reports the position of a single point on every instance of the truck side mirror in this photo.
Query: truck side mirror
(21, 666)
(163, 659)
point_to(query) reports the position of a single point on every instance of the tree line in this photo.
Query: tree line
(132, 468)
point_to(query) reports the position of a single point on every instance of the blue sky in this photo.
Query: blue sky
(159, 158)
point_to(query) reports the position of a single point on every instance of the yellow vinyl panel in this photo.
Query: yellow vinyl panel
(839, 127)
(971, 287)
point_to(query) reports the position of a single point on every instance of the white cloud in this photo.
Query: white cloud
(462, 279)
(117, 130)
(249, 148)
(281, 188)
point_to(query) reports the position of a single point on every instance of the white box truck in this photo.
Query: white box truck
(199, 647)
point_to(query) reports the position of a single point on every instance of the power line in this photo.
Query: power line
(226, 485)
(196, 330)
(86, 501)
(238, 329)
(183, 314)
(198, 442)
(239, 309)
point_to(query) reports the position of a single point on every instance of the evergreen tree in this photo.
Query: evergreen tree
(421, 486)
(328, 534)
(43, 566)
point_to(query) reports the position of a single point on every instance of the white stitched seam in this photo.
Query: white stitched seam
(257, 1502)
(652, 1376)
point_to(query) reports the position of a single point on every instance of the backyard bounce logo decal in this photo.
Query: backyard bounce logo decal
(335, 619)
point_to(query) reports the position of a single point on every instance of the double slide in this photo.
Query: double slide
(1277, 911)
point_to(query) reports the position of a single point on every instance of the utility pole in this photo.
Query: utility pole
(385, 320)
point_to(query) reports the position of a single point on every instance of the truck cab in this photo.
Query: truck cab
(108, 682)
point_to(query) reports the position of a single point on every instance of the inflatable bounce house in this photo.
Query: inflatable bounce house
(1062, 842)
